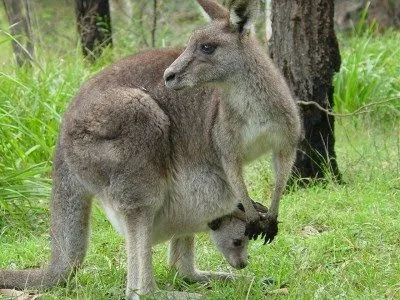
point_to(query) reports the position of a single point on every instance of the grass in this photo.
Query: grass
(355, 255)
(369, 73)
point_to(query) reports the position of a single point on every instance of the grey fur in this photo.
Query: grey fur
(168, 161)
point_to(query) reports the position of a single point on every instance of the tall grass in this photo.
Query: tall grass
(31, 104)
(369, 73)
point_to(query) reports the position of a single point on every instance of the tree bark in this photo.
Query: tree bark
(305, 48)
(18, 15)
(94, 26)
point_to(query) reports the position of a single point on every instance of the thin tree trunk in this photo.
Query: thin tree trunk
(154, 25)
(18, 15)
(305, 48)
(94, 26)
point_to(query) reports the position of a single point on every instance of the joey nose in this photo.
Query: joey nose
(242, 265)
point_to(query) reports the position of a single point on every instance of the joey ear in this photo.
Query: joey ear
(240, 206)
(215, 224)
(243, 14)
(213, 9)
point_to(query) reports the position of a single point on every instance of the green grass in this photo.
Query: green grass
(369, 73)
(357, 254)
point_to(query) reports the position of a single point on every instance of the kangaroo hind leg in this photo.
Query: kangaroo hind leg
(182, 256)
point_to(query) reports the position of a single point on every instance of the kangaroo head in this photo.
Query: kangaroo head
(228, 235)
(214, 53)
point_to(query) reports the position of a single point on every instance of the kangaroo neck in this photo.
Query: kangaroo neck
(248, 89)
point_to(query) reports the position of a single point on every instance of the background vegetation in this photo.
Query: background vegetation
(335, 241)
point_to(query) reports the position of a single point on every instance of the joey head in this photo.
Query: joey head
(228, 234)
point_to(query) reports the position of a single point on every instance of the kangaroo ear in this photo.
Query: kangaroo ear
(213, 9)
(243, 14)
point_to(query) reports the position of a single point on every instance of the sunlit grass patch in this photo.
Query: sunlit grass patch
(369, 73)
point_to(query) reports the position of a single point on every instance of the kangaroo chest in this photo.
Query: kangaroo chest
(256, 127)
(255, 140)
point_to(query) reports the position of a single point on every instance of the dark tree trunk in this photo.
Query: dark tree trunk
(94, 26)
(18, 15)
(305, 48)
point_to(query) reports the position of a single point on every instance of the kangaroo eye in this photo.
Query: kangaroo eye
(237, 243)
(208, 48)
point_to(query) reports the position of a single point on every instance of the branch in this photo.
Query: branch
(358, 111)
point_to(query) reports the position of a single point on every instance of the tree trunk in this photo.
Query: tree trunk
(94, 26)
(154, 25)
(305, 48)
(18, 15)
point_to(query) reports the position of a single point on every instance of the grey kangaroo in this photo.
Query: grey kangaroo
(164, 158)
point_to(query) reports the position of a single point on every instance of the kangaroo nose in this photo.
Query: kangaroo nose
(169, 76)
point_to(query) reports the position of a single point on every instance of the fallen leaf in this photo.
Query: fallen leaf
(18, 295)
(282, 291)
(309, 230)
(392, 294)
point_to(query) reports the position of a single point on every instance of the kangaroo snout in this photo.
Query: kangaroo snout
(171, 79)
(169, 76)
(175, 76)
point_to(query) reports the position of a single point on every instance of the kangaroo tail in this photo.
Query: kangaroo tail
(71, 205)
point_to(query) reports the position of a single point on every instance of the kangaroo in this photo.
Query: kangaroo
(160, 138)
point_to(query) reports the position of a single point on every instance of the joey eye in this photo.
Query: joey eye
(208, 48)
(237, 243)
